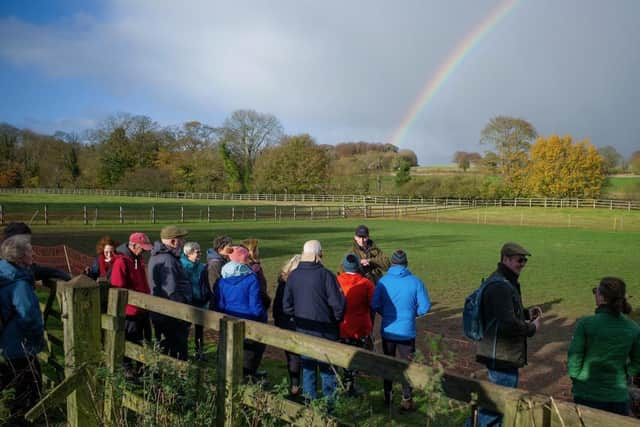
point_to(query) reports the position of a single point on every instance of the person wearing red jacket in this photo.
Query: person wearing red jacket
(129, 272)
(356, 326)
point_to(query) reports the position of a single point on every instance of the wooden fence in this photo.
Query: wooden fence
(83, 323)
(342, 198)
(151, 214)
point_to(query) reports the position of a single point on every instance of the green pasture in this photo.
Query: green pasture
(619, 220)
(622, 187)
(450, 257)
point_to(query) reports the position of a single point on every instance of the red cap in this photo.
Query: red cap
(141, 239)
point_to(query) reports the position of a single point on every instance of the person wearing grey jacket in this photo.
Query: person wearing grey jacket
(167, 279)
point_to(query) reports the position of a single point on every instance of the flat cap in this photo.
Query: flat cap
(512, 248)
(172, 232)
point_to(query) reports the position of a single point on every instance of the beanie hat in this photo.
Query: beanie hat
(399, 257)
(15, 228)
(351, 263)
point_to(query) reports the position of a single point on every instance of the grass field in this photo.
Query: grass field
(450, 257)
(622, 187)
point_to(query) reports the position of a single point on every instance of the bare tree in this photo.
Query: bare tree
(246, 133)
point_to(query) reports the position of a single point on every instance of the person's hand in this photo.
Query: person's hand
(536, 322)
(535, 313)
(364, 262)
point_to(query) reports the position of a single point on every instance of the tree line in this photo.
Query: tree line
(519, 162)
(248, 152)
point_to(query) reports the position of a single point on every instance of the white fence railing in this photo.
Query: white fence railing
(347, 198)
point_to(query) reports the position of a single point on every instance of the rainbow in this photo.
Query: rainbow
(447, 68)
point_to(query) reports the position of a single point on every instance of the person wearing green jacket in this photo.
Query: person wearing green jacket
(373, 262)
(605, 351)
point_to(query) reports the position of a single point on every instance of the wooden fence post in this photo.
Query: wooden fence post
(114, 350)
(153, 214)
(208, 213)
(82, 346)
(85, 217)
(181, 214)
(121, 214)
(46, 215)
(230, 361)
(233, 214)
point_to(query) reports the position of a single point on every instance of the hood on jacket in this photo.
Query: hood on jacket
(161, 248)
(213, 254)
(9, 273)
(399, 270)
(123, 249)
(234, 269)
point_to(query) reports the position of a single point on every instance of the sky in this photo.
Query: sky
(425, 75)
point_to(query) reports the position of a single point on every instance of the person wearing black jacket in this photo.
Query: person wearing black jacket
(503, 348)
(167, 279)
(313, 297)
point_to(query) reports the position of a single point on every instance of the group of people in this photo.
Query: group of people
(311, 299)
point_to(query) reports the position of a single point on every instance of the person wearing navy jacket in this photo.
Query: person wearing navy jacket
(313, 297)
(168, 280)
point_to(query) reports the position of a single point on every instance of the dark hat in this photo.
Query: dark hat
(172, 232)
(351, 263)
(15, 228)
(362, 231)
(511, 249)
(399, 257)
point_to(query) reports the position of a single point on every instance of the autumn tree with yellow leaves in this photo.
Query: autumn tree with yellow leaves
(560, 168)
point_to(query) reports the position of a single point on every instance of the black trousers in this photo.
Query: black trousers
(173, 336)
(349, 375)
(294, 366)
(253, 352)
(404, 350)
(136, 329)
(24, 376)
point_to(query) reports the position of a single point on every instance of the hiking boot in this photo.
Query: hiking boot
(407, 405)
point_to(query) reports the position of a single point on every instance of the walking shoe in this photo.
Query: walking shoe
(407, 405)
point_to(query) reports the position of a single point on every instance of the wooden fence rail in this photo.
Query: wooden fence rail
(335, 198)
(83, 323)
(141, 214)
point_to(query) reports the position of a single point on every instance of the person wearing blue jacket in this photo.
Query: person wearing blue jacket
(400, 297)
(167, 279)
(201, 295)
(238, 295)
(22, 331)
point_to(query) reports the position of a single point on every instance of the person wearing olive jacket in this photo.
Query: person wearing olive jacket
(605, 351)
(373, 262)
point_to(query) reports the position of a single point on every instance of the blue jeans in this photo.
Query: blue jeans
(506, 378)
(310, 379)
